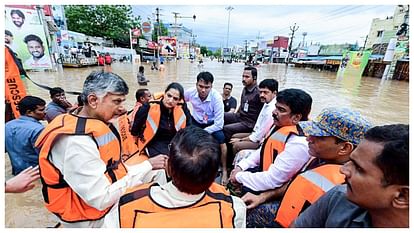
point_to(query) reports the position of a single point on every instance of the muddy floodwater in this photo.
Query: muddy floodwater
(382, 101)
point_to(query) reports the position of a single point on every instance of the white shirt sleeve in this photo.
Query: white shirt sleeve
(78, 159)
(252, 160)
(264, 122)
(240, 212)
(285, 166)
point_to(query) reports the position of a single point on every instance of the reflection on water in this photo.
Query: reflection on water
(383, 102)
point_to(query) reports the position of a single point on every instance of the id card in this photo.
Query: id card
(246, 107)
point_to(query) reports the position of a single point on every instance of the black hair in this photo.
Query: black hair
(253, 70)
(55, 90)
(8, 33)
(30, 103)
(228, 84)
(141, 69)
(298, 101)
(270, 84)
(177, 87)
(394, 157)
(206, 76)
(33, 37)
(17, 12)
(140, 93)
(194, 160)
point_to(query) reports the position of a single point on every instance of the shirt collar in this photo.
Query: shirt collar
(177, 194)
(251, 88)
(28, 118)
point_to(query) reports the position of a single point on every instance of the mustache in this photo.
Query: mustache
(274, 116)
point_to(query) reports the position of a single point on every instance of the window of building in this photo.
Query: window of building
(380, 33)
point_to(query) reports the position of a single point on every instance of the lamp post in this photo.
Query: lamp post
(229, 8)
(176, 15)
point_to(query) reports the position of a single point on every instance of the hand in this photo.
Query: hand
(251, 200)
(64, 102)
(233, 173)
(23, 181)
(159, 162)
(234, 140)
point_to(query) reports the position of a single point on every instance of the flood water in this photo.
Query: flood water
(383, 102)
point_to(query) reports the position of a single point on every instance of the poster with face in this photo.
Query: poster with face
(25, 35)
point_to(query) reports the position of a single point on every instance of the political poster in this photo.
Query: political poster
(168, 46)
(353, 63)
(25, 35)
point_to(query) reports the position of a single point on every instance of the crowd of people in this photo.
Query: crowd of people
(195, 158)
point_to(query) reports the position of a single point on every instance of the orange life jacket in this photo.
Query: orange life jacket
(153, 121)
(306, 189)
(275, 144)
(131, 116)
(129, 146)
(14, 87)
(59, 198)
(214, 210)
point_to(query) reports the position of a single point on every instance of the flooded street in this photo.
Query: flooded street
(383, 102)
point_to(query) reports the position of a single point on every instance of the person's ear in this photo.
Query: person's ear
(401, 197)
(296, 118)
(93, 100)
(346, 148)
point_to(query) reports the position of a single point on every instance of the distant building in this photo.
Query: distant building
(382, 30)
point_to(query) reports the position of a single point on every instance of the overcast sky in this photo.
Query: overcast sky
(327, 24)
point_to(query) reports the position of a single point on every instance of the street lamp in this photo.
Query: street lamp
(176, 15)
(229, 8)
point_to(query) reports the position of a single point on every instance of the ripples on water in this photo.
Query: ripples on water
(383, 102)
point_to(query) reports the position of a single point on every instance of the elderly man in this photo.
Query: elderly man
(332, 136)
(376, 193)
(190, 199)
(80, 156)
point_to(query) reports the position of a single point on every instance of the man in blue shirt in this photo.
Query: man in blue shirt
(21, 134)
(207, 108)
(59, 104)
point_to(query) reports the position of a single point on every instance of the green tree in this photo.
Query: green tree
(163, 31)
(217, 53)
(107, 21)
(204, 50)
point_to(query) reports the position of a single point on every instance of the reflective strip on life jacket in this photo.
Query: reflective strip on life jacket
(318, 180)
(305, 190)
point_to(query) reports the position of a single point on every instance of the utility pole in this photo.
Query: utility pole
(293, 30)
(245, 49)
(365, 43)
(157, 35)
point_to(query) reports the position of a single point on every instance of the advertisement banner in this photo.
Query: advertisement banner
(25, 35)
(353, 63)
(168, 46)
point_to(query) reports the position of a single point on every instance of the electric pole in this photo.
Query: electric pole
(245, 49)
(365, 43)
(157, 35)
(304, 34)
(293, 30)
(229, 8)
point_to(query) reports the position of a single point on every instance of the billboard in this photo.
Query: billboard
(26, 37)
(353, 63)
(168, 46)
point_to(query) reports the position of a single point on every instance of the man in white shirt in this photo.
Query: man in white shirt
(193, 165)
(80, 156)
(268, 91)
(283, 153)
(39, 59)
